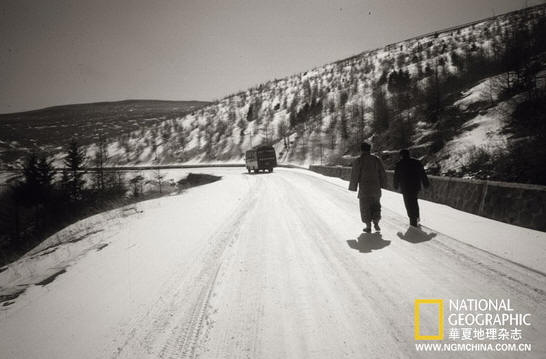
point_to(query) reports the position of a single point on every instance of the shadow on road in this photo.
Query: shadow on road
(254, 174)
(416, 235)
(368, 242)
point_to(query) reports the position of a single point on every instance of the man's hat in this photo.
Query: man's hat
(365, 147)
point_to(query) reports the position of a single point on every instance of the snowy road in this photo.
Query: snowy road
(257, 266)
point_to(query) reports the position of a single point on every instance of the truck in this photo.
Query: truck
(261, 158)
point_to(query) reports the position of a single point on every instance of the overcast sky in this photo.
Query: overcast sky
(57, 52)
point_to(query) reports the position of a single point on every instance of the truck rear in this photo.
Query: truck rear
(262, 158)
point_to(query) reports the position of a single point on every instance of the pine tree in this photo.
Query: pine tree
(100, 158)
(136, 182)
(159, 178)
(283, 132)
(399, 84)
(250, 114)
(433, 105)
(381, 111)
(74, 163)
(46, 173)
(37, 185)
(30, 170)
(343, 126)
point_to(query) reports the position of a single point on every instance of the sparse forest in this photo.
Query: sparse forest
(46, 200)
(405, 95)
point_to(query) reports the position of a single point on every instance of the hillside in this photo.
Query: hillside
(50, 129)
(463, 99)
(448, 95)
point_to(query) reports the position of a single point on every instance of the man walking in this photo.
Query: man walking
(369, 175)
(409, 174)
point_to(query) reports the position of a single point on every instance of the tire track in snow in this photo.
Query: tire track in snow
(184, 344)
(161, 330)
(238, 298)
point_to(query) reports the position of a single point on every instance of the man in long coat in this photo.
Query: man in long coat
(368, 174)
(409, 175)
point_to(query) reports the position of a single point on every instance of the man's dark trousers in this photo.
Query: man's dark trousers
(412, 207)
(370, 209)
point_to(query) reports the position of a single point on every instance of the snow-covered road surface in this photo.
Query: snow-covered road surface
(255, 266)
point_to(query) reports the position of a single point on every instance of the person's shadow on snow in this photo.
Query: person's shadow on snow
(368, 242)
(416, 235)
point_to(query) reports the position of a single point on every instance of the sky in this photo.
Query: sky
(55, 52)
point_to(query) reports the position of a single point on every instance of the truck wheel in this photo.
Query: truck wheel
(248, 169)
(256, 170)
(270, 170)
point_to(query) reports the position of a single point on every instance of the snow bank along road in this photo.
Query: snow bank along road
(256, 266)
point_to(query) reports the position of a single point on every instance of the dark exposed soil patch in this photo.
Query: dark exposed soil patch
(102, 246)
(11, 296)
(51, 278)
(46, 251)
(197, 179)
(79, 238)
(54, 247)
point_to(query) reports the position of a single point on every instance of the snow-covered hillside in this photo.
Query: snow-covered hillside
(321, 115)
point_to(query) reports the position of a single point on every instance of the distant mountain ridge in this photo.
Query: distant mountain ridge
(104, 104)
(50, 128)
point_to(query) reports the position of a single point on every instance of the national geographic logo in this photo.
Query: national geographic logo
(469, 319)
(439, 335)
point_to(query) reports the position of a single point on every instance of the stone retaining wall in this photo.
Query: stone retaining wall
(514, 203)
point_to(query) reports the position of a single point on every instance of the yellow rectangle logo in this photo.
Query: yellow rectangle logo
(417, 319)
